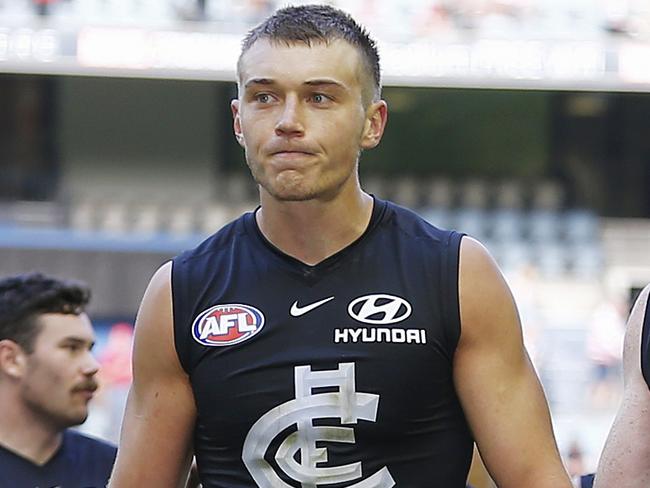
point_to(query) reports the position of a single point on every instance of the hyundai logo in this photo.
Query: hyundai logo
(379, 309)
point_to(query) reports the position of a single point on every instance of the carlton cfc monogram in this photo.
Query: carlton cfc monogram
(346, 404)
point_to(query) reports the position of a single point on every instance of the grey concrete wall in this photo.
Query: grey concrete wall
(147, 138)
(117, 279)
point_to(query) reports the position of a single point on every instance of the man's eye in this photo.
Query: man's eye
(319, 98)
(263, 98)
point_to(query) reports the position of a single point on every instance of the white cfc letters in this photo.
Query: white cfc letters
(346, 404)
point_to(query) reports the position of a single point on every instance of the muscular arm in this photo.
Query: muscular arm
(154, 447)
(625, 461)
(498, 388)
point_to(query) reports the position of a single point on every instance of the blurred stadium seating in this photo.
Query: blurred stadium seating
(560, 242)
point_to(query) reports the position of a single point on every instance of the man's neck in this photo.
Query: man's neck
(313, 230)
(25, 433)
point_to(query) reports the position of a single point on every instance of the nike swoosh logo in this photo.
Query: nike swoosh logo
(297, 311)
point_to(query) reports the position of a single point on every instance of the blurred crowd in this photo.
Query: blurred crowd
(394, 19)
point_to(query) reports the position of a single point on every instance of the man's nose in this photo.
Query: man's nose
(290, 122)
(90, 365)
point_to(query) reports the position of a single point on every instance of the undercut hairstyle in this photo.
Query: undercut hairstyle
(24, 297)
(308, 24)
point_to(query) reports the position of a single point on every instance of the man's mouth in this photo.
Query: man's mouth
(86, 394)
(291, 154)
(87, 389)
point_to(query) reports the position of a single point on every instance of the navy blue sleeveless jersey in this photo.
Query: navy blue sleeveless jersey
(80, 462)
(336, 375)
(645, 345)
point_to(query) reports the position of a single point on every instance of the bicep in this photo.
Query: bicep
(625, 461)
(496, 383)
(160, 410)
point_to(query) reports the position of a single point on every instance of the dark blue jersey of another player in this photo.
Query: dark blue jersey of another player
(645, 345)
(587, 481)
(338, 374)
(80, 462)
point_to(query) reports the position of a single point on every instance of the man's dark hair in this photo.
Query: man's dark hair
(26, 296)
(309, 24)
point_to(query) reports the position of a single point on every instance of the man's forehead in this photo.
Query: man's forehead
(264, 43)
(58, 326)
(274, 58)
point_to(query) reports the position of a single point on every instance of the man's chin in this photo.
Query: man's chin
(292, 194)
(76, 418)
(294, 197)
(287, 186)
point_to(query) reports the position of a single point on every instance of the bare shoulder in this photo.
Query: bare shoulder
(477, 266)
(635, 322)
(154, 323)
(471, 247)
(634, 330)
(159, 288)
(154, 345)
(485, 298)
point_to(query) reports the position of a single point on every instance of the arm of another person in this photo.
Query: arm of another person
(155, 443)
(497, 385)
(625, 461)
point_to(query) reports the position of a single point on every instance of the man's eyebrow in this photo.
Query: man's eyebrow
(315, 82)
(259, 81)
(325, 81)
(79, 341)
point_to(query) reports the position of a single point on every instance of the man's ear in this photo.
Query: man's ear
(376, 118)
(13, 359)
(236, 121)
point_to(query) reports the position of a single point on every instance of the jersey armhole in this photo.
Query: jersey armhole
(645, 345)
(178, 333)
(451, 301)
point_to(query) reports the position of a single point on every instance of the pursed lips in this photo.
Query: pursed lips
(281, 148)
(291, 151)
(291, 156)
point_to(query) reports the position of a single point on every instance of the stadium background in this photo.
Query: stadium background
(524, 125)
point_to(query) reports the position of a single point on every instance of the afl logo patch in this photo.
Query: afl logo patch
(225, 325)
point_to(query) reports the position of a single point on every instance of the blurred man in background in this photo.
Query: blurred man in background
(44, 7)
(47, 379)
(625, 461)
(605, 351)
(318, 340)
